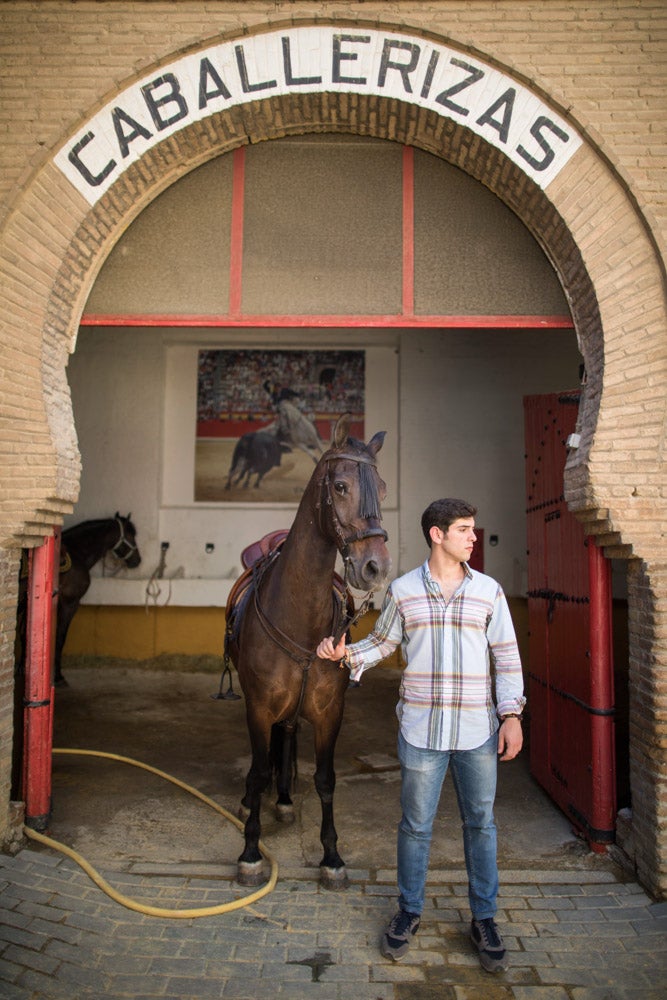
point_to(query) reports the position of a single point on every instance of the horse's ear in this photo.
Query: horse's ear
(376, 442)
(129, 516)
(117, 514)
(339, 436)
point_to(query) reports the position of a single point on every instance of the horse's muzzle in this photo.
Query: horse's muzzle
(371, 569)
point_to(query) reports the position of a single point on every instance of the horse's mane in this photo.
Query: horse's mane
(85, 527)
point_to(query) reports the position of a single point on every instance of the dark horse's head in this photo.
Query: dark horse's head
(126, 548)
(350, 494)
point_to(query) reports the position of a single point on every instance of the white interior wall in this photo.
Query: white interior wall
(116, 378)
(137, 424)
(461, 413)
(451, 402)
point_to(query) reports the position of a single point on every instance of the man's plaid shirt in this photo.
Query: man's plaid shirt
(455, 652)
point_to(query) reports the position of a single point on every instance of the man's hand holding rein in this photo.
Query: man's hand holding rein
(327, 651)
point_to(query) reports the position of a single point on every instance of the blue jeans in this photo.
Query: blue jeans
(474, 773)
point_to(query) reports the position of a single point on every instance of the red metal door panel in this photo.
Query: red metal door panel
(38, 699)
(476, 560)
(540, 731)
(569, 612)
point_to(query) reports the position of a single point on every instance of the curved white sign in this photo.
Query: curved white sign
(316, 59)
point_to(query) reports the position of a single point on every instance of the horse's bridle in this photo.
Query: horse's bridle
(344, 541)
(306, 657)
(131, 546)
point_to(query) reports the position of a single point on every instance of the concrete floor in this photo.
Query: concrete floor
(116, 815)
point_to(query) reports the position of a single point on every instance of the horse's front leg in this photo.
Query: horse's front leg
(250, 866)
(332, 867)
(283, 758)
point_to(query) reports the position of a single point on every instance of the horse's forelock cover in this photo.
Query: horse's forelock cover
(369, 497)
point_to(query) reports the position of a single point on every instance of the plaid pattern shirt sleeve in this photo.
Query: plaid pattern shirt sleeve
(454, 651)
(381, 642)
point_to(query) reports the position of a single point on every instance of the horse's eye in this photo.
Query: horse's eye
(340, 488)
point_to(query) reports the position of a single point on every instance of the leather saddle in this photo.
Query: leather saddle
(267, 549)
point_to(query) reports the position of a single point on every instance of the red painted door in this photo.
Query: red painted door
(570, 690)
(38, 699)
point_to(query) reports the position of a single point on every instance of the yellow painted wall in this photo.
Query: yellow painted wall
(136, 633)
(140, 634)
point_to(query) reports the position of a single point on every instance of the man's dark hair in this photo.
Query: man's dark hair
(442, 513)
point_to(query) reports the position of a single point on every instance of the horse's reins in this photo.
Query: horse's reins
(300, 654)
(345, 542)
(303, 656)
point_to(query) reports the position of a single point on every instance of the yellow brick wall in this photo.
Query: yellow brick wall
(604, 59)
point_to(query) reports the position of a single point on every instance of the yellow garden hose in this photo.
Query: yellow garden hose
(132, 904)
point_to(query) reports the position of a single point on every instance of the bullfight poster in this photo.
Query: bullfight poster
(264, 418)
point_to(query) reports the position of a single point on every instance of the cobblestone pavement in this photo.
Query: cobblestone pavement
(584, 935)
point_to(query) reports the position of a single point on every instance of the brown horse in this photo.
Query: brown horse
(281, 617)
(81, 547)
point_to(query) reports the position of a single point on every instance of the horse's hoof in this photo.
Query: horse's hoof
(250, 873)
(333, 879)
(284, 813)
(243, 813)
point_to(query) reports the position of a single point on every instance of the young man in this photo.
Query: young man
(453, 624)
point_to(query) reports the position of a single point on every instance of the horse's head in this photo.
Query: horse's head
(126, 548)
(351, 492)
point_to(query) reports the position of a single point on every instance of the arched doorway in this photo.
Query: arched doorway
(562, 216)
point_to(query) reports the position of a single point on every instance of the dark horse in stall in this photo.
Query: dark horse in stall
(276, 622)
(80, 548)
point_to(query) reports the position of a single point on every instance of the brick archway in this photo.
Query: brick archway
(589, 226)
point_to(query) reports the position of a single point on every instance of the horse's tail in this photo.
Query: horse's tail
(283, 755)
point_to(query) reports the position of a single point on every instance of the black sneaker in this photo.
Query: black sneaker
(486, 938)
(399, 934)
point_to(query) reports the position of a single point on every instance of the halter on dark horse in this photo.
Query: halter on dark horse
(278, 620)
(81, 547)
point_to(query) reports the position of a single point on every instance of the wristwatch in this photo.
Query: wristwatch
(344, 662)
(511, 715)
